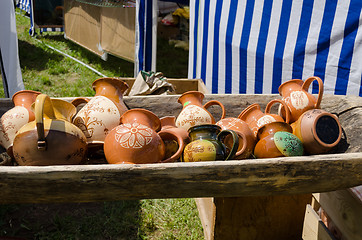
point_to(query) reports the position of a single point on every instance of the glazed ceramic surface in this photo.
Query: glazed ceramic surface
(12, 120)
(193, 112)
(247, 139)
(295, 94)
(50, 139)
(136, 141)
(268, 146)
(102, 113)
(168, 124)
(256, 118)
(319, 130)
(206, 144)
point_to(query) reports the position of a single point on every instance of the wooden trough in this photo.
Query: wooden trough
(237, 199)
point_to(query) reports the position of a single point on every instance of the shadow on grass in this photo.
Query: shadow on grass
(35, 58)
(101, 220)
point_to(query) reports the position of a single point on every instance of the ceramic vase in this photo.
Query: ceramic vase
(276, 140)
(102, 113)
(256, 118)
(12, 120)
(51, 139)
(247, 139)
(193, 112)
(295, 93)
(136, 141)
(207, 144)
(319, 131)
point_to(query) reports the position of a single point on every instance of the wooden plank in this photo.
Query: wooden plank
(344, 210)
(313, 227)
(277, 176)
(207, 212)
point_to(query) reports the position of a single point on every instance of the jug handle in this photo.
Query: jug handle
(287, 111)
(215, 102)
(235, 137)
(306, 84)
(243, 148)
(42, 102)
(180, 142)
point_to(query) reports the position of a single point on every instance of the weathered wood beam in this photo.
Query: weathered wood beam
(86, 183)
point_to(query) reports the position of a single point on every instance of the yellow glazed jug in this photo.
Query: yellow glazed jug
(51, 139)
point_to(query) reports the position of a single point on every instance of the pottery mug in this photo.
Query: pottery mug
(207, 144)
(256, 118)
(193, 112)
(247, 139)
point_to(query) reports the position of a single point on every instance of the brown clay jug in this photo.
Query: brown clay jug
(12, 120)
(319, 131)
(207, 144)
(256, 118)
(276, 140)
(247, 139)
(102, 113)
(168, 124)
(136, 140)
(51, 139)
(193, 112)
(295, 93)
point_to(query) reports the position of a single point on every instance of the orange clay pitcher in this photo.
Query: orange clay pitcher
(295, 93)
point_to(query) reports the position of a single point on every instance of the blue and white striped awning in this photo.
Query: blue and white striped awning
(252, 46)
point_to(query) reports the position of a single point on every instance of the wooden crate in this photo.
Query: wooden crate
(273, 191)
(180, 85)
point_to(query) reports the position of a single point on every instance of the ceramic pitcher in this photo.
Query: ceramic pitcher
(193, 112)
(319, 131)
(295, 93)
(102, 113)
(136, 141)
(168, 124)
(51, 139)
(207, 144)
(256, 118)
(12, 120)
(276, 140)
(247, 139)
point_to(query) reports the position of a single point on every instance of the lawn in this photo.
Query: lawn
(52, 73)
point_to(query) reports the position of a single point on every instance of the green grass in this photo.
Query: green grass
(52, 73)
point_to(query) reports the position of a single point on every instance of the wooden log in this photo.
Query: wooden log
(84, 183)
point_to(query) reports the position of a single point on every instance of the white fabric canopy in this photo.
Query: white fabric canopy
(10, 66)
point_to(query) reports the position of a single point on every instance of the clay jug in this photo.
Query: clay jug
(256, 118)
(136, 140)
(295, 93)
(207, 144)
(12, 120)
(247, 139)
(276, 140)
(319, 131)
(51, 139)
(193, 112)
(168, 124)
(102, 113)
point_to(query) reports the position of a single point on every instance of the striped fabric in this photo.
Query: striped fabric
(23, 5)
(146, 36)
(252, 46)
